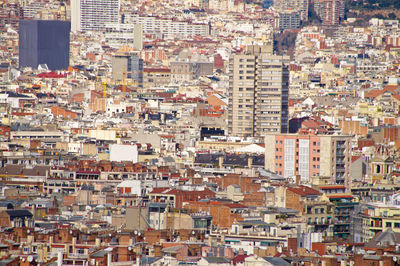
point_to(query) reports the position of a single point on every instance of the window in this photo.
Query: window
(388, 224)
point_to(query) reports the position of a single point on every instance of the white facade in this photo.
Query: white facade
(119, 153)
(169, 28)
(118, 35)
(89, 15)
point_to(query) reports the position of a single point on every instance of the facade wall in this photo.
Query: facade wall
(258, 93)
(44, 42)
(293, 201)
(309, 156)
(128, 66)
(168, 28)
(89, 15)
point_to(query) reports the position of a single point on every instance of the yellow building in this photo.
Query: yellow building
(378, 217)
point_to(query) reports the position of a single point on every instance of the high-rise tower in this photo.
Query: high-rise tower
(258, 92)
(44, 42)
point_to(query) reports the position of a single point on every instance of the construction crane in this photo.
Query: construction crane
(104, 89)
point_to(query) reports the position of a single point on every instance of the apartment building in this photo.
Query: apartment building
(308, 155)
(258, 92)
(118, 35)
(154, 77)
(330, 11)
(289, 19)
(184, 71)
(300, 6)
(127, 66)
(87, 15)
(168, 28)
(378, 217)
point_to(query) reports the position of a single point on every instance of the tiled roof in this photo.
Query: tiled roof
(304, 191)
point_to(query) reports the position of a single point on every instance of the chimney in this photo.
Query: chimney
(59, 259)
(74, 245)
(220, 161)
(109, 256)
(298, 177)
(250, 162)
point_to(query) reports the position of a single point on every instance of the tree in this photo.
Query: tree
(392, 15)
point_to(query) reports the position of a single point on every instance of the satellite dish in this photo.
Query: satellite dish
(30, 258)
(130, 249)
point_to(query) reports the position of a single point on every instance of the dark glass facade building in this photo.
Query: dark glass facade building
(44, 42)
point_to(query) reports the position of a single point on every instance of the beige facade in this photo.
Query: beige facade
(182, 71)
(309, 156)
(156, 77)
(128, 66)
(258, 92)
(300, 6)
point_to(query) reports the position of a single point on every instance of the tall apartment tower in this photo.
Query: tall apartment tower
(258, 92)
(330, 11)
(87, 15)
(301, 6)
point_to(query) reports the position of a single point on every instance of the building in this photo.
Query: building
(299, 6)
(380, 216)
(118, 35)
(183, 71)
(258, 92)
(155, 77)
(10, 13)
(330, 11)
(128, 66)
(44, 42)
(89, 15)
(32, 8)
(289, 19)
(309, 155)
(343, 208)
(168, 28)
(16, 218)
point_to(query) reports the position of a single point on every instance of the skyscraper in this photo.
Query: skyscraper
(258, 92)
(93, 14)
(44, 42)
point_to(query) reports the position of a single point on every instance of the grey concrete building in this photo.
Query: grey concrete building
(258, 92)
(128, 66)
